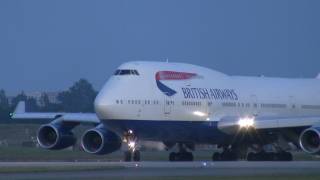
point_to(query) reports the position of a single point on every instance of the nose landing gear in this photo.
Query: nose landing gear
(133, 153)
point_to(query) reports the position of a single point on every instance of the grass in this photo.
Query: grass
(45, 169)
(17, 153)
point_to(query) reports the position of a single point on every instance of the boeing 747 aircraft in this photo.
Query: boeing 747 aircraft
(257, 118)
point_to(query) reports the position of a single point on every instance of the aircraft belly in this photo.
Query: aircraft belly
(170, 131)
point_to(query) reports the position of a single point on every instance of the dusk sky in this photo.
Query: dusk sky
(48, 45)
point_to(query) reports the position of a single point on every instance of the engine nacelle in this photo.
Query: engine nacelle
(52, 136)
(310, 140)
(100, 141)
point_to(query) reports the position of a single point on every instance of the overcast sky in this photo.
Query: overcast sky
(48, 45)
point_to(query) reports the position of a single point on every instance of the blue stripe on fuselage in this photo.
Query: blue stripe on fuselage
(165, 89)
(170, 131)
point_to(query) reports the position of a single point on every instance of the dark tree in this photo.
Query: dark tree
(79, 97)
(44, 100)
(47, 106)
(4, 107)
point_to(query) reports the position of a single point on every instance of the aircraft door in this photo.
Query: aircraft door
(254, 105)
(168, 106)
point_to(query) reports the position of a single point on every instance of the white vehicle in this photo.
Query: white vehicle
(183, 104)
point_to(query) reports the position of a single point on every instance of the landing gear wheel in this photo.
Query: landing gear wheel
(187, 156)
(226, 155)
(127, 156)
(136, 156)
(172, 156)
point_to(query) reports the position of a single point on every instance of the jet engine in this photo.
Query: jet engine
(53, 136)
(310, 140)
(100, 141)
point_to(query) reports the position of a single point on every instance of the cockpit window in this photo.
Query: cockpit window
(120, 72)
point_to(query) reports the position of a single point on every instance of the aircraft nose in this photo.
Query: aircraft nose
(105, 102)
(99, 106)
(103, 105)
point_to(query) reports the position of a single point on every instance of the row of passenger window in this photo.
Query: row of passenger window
(137, 101)
(225, 104)
(265, 105)
(255, 105)
(233, 104)
(191, 103)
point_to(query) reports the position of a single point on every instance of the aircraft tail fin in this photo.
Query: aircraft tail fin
(21, 108)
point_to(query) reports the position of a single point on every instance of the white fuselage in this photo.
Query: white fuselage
(206, 96)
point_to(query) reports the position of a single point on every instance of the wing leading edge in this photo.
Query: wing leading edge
(22, 115)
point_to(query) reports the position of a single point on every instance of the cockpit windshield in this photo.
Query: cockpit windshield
(120, 72)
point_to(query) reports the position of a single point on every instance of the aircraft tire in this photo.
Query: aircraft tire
(127, 156)
(172, 156)
(136, 156)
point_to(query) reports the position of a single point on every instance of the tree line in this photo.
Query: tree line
(78, 98)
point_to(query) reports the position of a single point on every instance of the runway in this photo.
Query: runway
(161, 169)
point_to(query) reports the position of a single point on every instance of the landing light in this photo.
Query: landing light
(199, 113)
(131, 144)
(246, 122)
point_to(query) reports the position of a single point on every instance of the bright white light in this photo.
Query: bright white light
(246, 122)
(199, 113)
(132, 144)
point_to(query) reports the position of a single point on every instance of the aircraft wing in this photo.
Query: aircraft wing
(22, 116)
(233, 124)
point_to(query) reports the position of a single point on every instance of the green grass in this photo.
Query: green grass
(44, 169)
(17, 153)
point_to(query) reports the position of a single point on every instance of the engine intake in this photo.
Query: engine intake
(100, 141)
(310, 140)
(51, 136)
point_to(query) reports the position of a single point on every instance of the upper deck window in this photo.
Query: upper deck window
(120, 72)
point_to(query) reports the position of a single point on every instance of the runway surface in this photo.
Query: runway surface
(162, 169)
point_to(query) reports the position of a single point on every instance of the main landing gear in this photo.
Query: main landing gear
(182, 155)
(233, 154)
(228, 154)
(133, 153)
